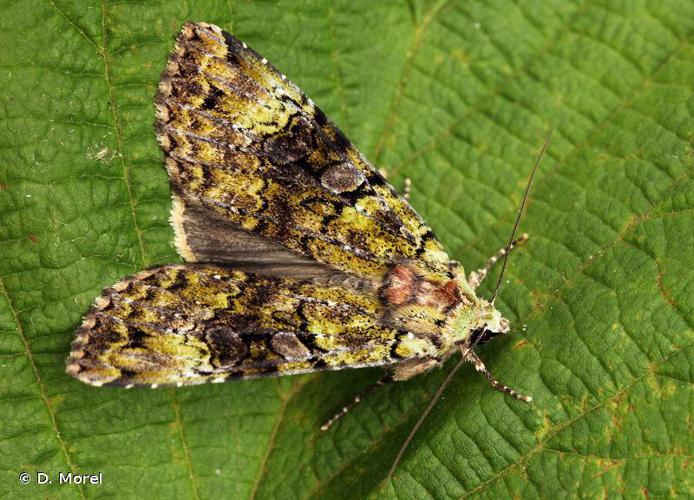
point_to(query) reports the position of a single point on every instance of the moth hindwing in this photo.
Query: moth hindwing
(301, 257)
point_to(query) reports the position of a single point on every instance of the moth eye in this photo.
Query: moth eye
(342, 177)
(481, 336)
(226, 347)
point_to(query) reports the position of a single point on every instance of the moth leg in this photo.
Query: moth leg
(386, 379)
(407, 184)
(408, 369)
(407, 188)
(470, 356)
(401, 371)
(477, 277)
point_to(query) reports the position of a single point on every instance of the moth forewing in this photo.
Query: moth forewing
(189, 324)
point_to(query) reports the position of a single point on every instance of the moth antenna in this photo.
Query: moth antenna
(465, 354)
(520, 213)
(424, 415)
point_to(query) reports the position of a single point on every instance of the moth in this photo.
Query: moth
(300, 257)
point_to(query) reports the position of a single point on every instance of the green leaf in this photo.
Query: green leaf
(456, 95)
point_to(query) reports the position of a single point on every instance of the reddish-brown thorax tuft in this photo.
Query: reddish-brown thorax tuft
(404, 285)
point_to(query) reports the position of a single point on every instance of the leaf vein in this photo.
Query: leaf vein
(79, 30)
(178, 422)
(117, 128)
(415, 45)
(42, 389)
(540, 446)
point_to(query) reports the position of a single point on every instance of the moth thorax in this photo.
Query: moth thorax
(406, 285)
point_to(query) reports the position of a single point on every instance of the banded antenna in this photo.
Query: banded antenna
(468, 350)
(520, 213)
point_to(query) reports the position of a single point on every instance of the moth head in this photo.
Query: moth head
(490, 323)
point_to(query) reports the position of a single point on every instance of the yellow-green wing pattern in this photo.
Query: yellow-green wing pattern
(244, 143)
(189, 324)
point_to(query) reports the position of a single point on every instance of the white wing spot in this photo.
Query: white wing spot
(154, 386)
(263, 60)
